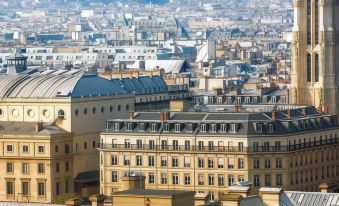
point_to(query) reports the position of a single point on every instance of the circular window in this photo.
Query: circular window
(127, 107)
(1, 112)
(94, 110)
(110, 108)
(30, 113)
(45, 113)
(76, 112)
(15, 113)
(85, 111)
(102, 109)
(119, 108)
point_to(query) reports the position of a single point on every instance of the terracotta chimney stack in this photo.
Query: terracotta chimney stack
(39, 126)
(274, 115)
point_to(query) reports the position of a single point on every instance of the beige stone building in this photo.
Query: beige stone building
(315, 51)
(207, 152)
(50, 125)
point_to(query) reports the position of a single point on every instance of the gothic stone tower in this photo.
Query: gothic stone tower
(315, 68)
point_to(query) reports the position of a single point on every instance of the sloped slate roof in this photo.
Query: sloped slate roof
(312, 199)
(56, 84)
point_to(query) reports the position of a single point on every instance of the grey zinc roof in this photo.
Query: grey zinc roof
(143, 85)
(56, 84)
(312, 199)
(28, 128)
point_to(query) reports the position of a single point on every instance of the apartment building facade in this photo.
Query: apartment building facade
(208, 152)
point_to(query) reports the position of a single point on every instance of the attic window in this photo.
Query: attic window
(154, 127)
(141, 126)
(166, 127)
(177, 127)
(233, 128)
(259, 127)
(189, 128)
(213, 128)
(116, 126)
(129, 127)
(223, 128)
(203, 128)
(270, 127)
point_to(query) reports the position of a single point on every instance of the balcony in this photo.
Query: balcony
(207, 149)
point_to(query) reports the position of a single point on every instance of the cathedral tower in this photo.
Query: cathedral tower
(315, 50)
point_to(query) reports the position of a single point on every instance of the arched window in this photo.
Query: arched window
(61, 114)
(316, 22)
(316, 68)
(309, 18)
(309, 68)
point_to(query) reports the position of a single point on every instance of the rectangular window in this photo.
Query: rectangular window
(151, 178)
(230, 180)
(203, 128)
(9, 148)
(41, 149)
(201, 179)
(25, 149)
(240, 146)
(187, 161)
(66, 166)
(278, 163)
(151, 144)
(255, 146)
(220, 162)
(177, 128)
(267, 180)
(25, 188)
(256, 181)
(154, 127)
(266, 146)
(220, 180)
(114, 160)
(187, 179)
(151, 161)
(9, 188)
(139, 160)
(25, 168)
(210, 145)
(200, 145)
(163, 144)
(174, 161)
(127, 144)
(129, 127)
(278, 180)
(210, 162)
(41, 168)
(211, 179)
(201, 162)
(230, 162)
(223, 128)
(175, 179)
(114, 176)
(41, 189)
(187, 145)
(175, 145)
(256, 163)
(126, 160)
(163, 178)
(9, 167)
(163, 161)
(114, 143)
(139, 144)
(267, 163)
(240, 163)
(57, 167)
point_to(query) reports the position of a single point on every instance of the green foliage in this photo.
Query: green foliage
(61, 199)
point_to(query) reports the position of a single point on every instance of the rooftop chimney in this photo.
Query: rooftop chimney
(130, 115)
(289, 113)
(274, 115)
(270, 196)
(39, 126)
(133, 182)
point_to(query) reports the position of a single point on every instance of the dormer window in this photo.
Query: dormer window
(259, 127)
(141, 126)
(233, 128)
(189, 127)
(213, 128)
(116, 126)
(255, 100)
(247, 100)
(274, 99)
(270, 127)
(177, 128)
(166, 127)
(223, 128)
(129, 126)
(154, 127)
(203, 128)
